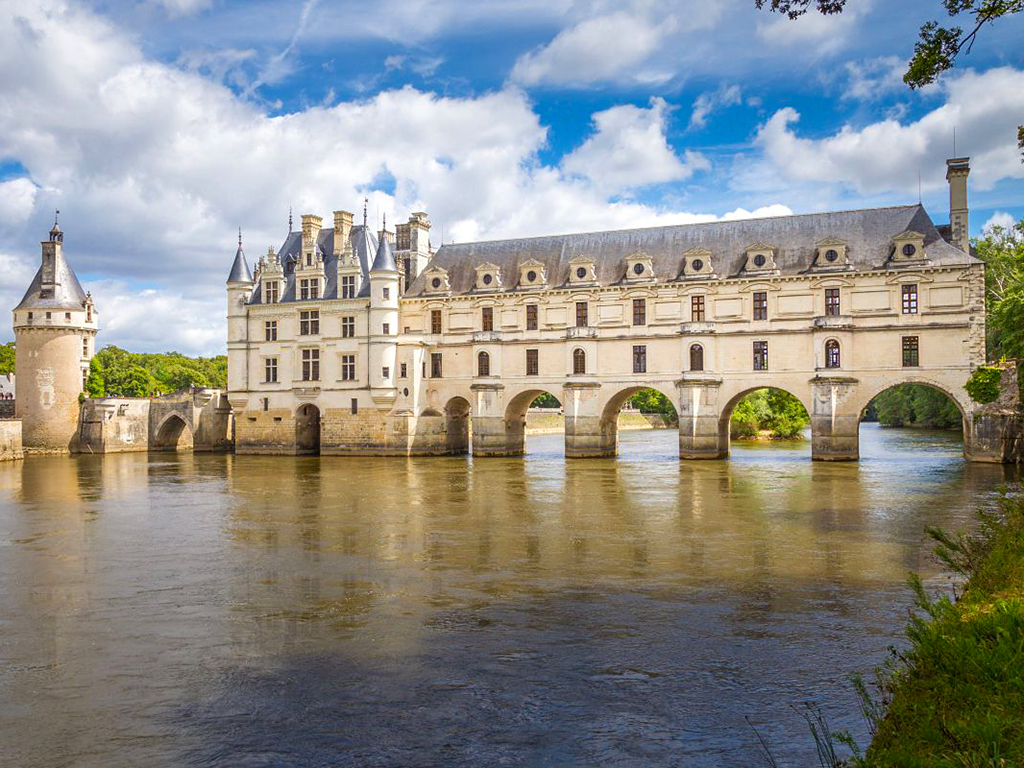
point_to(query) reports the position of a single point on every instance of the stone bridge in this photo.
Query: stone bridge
(198, 420)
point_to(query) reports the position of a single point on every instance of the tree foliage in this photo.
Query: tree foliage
(7, 358)
(769, 410)
(937, 46)
(983, 386)
(116, 372)
(915, 405)
(652, 401)
(1002, 250)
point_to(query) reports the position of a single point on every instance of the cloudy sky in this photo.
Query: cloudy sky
(160, 127)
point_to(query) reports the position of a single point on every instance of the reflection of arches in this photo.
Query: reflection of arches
(579, 361)
(173, 434)
(307, 429)
(609, 422)
(456, 423)
(696, 357)
(483, 364)
(832, 358)
(725, 417)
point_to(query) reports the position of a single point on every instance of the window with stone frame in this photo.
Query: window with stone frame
(309, 322)
(311, 364)
(403, 371)
(435, 321)
(696, 357)
(487, 318)
(911, 352)
(639, 311)
(348, 327)
(386, 329)
(532, 362)
(640, 358)
(832, 308)
(348, 286)
(582, 314)
(85, 346)
(309, 288)
(761, 305)
(270, 330)
(579, 361)
(697, 309)
(435, 365)
(273, 291)
(910, 299)
(832, 353)
(483, 364)
(348, 367)
(531, 317)
(760, 355)
(270, 370)
(385, 293)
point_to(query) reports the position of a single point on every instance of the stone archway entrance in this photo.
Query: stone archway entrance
(307, 430)
(173, 435)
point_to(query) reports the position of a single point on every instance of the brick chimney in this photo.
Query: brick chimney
(957, 170)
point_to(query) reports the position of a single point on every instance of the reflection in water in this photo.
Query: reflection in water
(220, 610)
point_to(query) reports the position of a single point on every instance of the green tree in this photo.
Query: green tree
(937, 47)
(7, 358)
(1002, 250)
(95, 384)
(769, 410)
(916, 405)
(652, 401)
(546, 400)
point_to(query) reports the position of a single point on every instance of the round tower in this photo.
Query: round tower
(55, 338)
(383, 320)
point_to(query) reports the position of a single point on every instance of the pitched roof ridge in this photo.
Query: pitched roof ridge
(907, 206)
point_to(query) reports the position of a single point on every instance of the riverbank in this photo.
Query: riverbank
(956, 696)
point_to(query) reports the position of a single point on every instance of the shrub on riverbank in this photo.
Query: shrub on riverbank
(955, 697)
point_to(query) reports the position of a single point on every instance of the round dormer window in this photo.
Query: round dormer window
(581, 272)
(696, 265)
(638, 269)
(488, 279)
(531, 276)
(831, 254)
(435, 283)
(759, 260)
(909, 250)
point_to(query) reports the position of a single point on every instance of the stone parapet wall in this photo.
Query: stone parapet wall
(10, 440)
(114, 425)
(7, 409)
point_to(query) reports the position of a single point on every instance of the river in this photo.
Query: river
(214, 610)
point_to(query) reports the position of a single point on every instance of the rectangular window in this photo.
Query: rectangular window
(697, 309)
(67, 316)
(386, 372)
(270, 370)
(270, 330)
(435, 321)
(272, 292)
(832, 302)
(911, 351)
(385, 293)
(910, 299)
(487, 318)
(761, 305)
(309, 288)
(355, 406)
(348, 327)
(85, 347)
(760, 355)
(639, 311)
(309, 322)
(531, 317)
(532, 362)
(435, 365)
(311, 365)
(386, 328)
(266, 403)
(581, 314)
(348, 286)
(348, 367)
(403, 371)
(640, 359)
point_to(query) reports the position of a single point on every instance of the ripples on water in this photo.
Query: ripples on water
(250, 611)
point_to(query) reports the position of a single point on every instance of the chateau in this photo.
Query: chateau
(348, 341)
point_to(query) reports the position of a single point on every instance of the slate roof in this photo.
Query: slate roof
(240, 268)
(364, 245)
(868, 234)
(385, 259)
(68, 293)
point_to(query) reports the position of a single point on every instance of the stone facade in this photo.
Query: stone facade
(10, 440)
(833, 308)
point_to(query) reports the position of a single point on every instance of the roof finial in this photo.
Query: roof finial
(384, 221)
(289, 219)
(239, 237)
(56, 216)
(366, 201)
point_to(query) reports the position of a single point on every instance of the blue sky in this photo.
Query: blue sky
(159, 127)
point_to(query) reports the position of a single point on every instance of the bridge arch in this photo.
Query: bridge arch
(517, 405)
(457, 419)
(960, 399)
(736, 396)
(608, 424)
(173, 434)
(307, 430)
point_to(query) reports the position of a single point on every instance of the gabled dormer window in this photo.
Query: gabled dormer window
(639, 268)
(582, 270)
(436, 280)
(908, 248)
(760, 260)
(831, 254)
(272, 289)
(488, 277)
(697, 264)
(532, 274)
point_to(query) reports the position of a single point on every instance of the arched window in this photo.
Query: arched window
(696, 357)
(831, 353)
(483, 364)
(579, 361)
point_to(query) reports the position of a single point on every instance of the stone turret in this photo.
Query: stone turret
(383, 320)
(239, 288)
(55, 333)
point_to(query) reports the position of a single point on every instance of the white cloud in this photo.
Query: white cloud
(17, 198)
(712, 101)
(874, 79)
(999, 219)
(887, 155)
(184, 7)
(819, 32)
(628, 149)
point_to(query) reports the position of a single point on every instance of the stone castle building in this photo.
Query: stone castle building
(353, 342)
(54, 332)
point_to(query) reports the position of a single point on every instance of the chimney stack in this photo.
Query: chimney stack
(310, 229)
(342, 230)
(957, 170)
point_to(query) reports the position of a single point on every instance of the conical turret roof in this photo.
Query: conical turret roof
(240, 272)
(385, 259)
